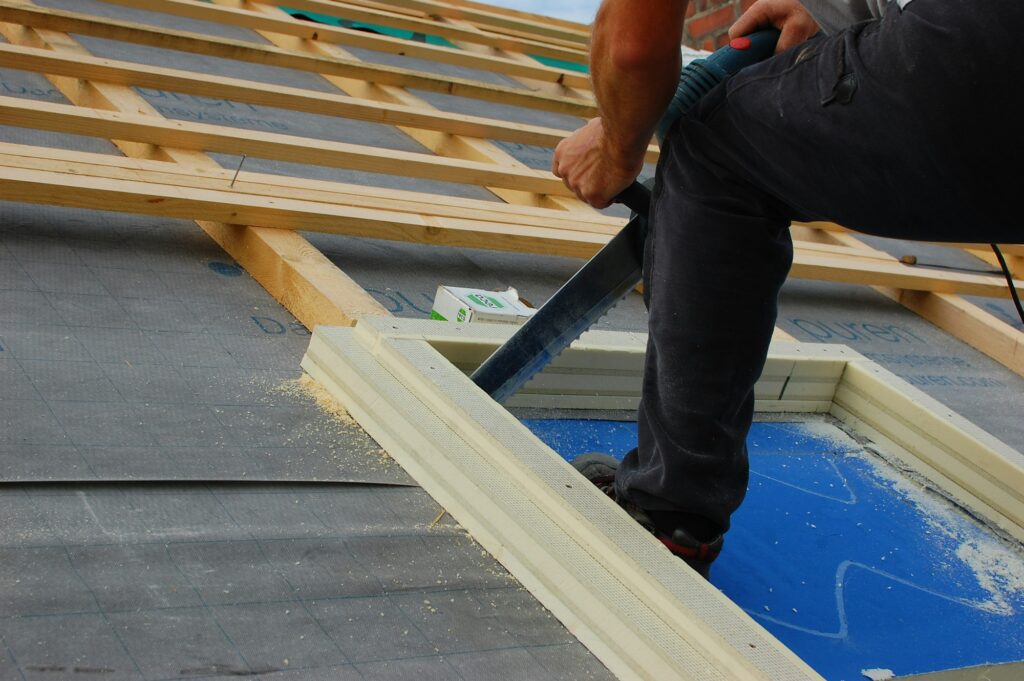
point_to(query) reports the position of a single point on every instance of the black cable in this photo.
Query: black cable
(1009, 281)
(912, 260)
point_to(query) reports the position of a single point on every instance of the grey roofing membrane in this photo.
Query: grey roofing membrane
(176, 503)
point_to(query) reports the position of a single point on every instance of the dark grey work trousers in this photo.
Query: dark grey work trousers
(910, 127)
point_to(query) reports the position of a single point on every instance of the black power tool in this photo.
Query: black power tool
(618, 267)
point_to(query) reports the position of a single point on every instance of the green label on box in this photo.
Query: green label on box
(486, 301)
(434, 314)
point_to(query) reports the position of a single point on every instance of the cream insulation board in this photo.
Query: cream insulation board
(638, 608)
(977, 470)
(603, 370)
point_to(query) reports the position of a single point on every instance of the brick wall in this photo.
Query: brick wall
(708, 22)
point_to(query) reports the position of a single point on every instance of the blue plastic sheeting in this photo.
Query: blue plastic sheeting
(850, 564)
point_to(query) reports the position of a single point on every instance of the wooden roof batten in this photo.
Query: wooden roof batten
(377, 93)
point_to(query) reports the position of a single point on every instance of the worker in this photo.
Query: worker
(900, 120)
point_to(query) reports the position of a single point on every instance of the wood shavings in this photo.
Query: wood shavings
(341, 423)
(306, 386)
(437, 519)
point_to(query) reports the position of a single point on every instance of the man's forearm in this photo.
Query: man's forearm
(635, 61)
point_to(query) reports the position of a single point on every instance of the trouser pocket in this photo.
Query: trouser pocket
(837, 83)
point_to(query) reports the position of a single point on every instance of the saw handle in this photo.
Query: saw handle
(636, 197)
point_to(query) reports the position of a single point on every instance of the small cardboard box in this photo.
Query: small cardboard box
(456, 304)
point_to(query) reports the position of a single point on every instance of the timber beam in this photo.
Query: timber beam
(491, 18)
(146, 196)
(183, 41)
(315, 31)
(498, 19)
(110, 167)
(283, 97)
(204, 137)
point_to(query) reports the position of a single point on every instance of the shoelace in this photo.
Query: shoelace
(606, 485)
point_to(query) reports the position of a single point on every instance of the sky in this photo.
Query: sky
(574, 10)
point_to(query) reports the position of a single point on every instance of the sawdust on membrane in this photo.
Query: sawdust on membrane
(997, 562)
(306, 387)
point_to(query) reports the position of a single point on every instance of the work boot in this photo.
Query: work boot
(599, 468)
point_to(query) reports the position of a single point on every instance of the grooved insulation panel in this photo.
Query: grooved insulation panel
(849, 562)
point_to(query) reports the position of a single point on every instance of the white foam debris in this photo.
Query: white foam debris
(878, 674)
(996, 566)
(823, 430)
(997, 563)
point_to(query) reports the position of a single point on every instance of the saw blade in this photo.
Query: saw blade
(596, 288)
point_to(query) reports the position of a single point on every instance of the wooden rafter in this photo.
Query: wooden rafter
(290, 98)
(144, 197)
(83, 24)
(106, 166)
(147, 193)
(287, 265)
(554, 49)
(494, 18)
(958, 317)
(976, 248)
(204, 137)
